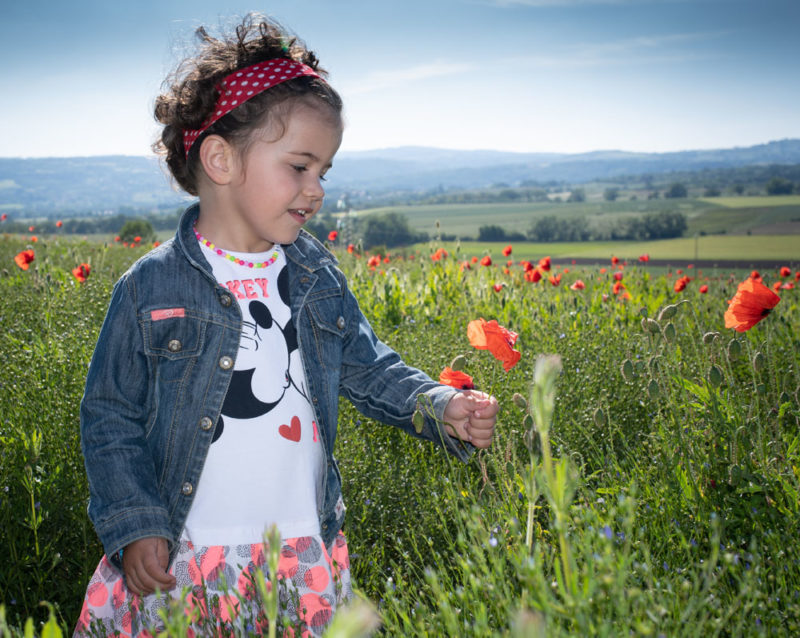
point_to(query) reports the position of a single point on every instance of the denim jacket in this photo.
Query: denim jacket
(161, 369)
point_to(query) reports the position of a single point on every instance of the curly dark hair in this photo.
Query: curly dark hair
(190, 92)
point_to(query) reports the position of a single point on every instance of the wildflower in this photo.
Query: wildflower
(137, 239)
(527, 266)
(797, 275)
(497, 287)
(776, 286)
(486, 261)
(386, 259)
(31, 228)
(507, 251)
(602, 271)
(578, 285)
(456, 379)
(703, 289)
(350, 248)
(156, 244)
(81, 272)
(544, 263)
(566, 270)
(785, 271)
(787, 285)
(59, 224)
(374, 261)
(474, 260)
(34, 238)
(24, 258)
(680, 284)
(510, 263)
(533, 275)
(117, 239)
(556, 280)
(618, 287)
(464, 265)
(644, 258)
(333, 235)
(755, 275)
(3, 217)
(605, 297)
(617, 276)
(614, 260)
(489, 335)
(439, 254)
(690, 266)
(752, 302)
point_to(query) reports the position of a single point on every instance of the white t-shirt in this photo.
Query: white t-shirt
(266, 462)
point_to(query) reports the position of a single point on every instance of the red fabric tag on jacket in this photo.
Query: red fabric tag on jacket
(167, 313)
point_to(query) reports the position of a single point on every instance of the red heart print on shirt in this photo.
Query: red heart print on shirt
(292, 433)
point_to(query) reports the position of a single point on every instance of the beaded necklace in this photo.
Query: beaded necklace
(233, 258)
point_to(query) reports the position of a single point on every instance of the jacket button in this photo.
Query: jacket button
(340, 323)
(225, 300)
(174, 345)
(186, 488)
(226, 363)
(206, 423)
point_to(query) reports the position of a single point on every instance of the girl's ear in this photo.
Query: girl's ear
(218, 160)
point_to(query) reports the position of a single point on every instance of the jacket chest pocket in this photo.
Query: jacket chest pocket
(330, 328)
(175, 342)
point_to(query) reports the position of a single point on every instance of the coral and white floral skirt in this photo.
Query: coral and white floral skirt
(221, 595)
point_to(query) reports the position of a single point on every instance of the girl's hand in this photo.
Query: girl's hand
(145, 563)
(471, 416)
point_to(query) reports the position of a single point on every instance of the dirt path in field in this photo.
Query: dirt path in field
(724, 264)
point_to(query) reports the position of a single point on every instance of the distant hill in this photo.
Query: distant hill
(78, 185)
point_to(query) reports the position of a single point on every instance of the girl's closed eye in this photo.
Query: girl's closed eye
(302, 169)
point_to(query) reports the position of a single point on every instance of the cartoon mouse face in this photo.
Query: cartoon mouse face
(272, 350)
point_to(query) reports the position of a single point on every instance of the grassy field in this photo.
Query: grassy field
(658, 492)
(731, 215)
(744, 248)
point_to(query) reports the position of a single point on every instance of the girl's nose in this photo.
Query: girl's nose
(313, 189)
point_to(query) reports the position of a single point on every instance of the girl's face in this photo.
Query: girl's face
(277, 183)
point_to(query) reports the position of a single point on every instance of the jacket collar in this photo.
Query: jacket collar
(306, 251)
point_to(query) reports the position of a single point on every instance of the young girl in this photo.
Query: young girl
(211, 402)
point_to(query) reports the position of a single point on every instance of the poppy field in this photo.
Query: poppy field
(644, 478)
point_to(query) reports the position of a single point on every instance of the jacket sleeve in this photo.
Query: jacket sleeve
(124, 503)
(381, 386)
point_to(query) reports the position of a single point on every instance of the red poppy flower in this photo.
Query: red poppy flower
(755, 275)
(24, 258)
(333, 235)
(680, 284)
(527, 266)
(602, 271)
(34, 238)
(3, 217)
(474, 260)
(614, 260)
(81, 272)
(137, 239)
(776, 286)
(456, 379)
(556, 280)
(618, 287)
(486, 261)
(117, 238)
(679, 271)
(489, 335)
(533, 275)
(544, 263)
(374, 261)
(30, 229)
(703, 289)
(797, 275)
(785, 271)
(566, 269)
(787, 285)
(156, 244)
(507, 251)
(510, 263)
(59, 224)
(617, 276)
(497, 287)
(350, 248)
(752, 302)
(386, 259)
(578, 285)
(464, 265)
(644, 258)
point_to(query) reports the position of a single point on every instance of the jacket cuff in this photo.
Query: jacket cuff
(120, 531)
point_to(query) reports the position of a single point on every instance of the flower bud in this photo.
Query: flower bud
(627, 370)
(734, 475)
(519, 400)
(734, 348)
(458, 363)
(669, 332)
(715, 376)
(668, 312)
(527, 422)
(709, 337)
(599, 417)
(652, 389)
(758, 361)
(418, 420)
(650, 325)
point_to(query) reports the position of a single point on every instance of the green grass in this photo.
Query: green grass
(754, 202)
(660, 497)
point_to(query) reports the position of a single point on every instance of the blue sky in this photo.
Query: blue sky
(568, 76)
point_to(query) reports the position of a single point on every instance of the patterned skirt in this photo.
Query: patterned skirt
(221, 598)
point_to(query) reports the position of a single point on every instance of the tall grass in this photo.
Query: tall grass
(649, 487)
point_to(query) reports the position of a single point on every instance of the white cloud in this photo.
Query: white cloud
(380, 80)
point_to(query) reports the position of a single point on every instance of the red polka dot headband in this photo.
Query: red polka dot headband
(241, 85)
